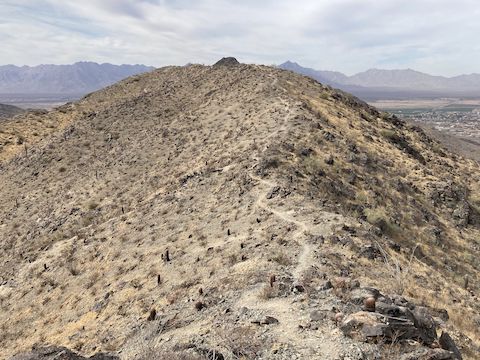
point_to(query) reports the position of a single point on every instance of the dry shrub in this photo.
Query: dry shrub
(73, 269)
(92, 205)
(282, 259)
(151, 353)
(380, 218)
(175, 295)
(241, 342)
(400, 274)
(267, 292)
(92, 279)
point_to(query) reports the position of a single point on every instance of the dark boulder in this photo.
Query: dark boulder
(447, 343)
(395, 121)
(425, 324)
(371, 252)
(402, 143)
(462, 214)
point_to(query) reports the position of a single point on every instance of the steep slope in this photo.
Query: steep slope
(78, 78)
(9, 110)
(235, 209)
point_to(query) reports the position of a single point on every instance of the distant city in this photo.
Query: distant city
(461, 123)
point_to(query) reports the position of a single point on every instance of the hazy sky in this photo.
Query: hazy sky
(435, 36)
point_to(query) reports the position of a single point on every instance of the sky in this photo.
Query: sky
(434, 36)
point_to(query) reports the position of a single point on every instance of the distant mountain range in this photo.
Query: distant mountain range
(83, 77)
(78, 78)
(376, 83)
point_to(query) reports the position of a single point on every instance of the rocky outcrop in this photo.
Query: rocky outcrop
(453, 197)
(407, 325)
(392, 317)
(227, 61)
(59, 353)
(447, 343)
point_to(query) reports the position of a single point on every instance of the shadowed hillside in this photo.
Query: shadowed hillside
(238, 210)
(9, 110)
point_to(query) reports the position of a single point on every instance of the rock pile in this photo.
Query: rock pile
(393, 318)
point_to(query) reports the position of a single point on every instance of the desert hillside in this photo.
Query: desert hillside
(235, 212)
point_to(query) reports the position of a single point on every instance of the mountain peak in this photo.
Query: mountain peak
(290, 65)
(227, 61)
(288, 62)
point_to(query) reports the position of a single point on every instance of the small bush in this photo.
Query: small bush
(282, 259)
(388, 134)
(313, 165)
(378, 217)
(73, 269)
(241, 342)
(158, 354)
(362, 197)
(267, 292)
(92, 280)
(87, 221)
(92, 205)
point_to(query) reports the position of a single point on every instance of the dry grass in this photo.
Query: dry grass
(159, 354)
(240, 342)
(282, 258)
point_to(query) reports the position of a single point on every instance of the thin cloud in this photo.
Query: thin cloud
(347, 35)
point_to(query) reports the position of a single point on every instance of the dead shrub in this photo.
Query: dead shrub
(242, 342)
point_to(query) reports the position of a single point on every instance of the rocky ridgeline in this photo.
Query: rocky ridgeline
(202, 210)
